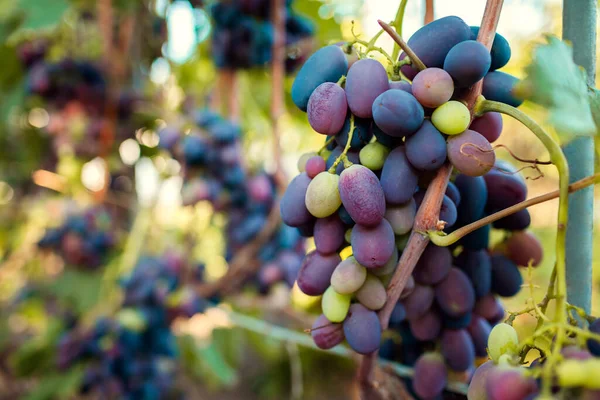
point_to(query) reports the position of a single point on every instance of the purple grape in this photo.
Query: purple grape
(418, 301)
(398, 316)
(397, 113)
(504, 189)
(293, 208)
(457, 349)
(362, 195)
(432, 87)
(328, 64)
(498, 86)
(366, 80)
(509, 383)
(489, 308)
(470, 153)
(314, 166)
(500, 49)
(523, 247)
(426, 149)
(373, 246)
(592, 344)
(433, 41)
(315, 273)
(476, 264)
(398, 178)
(468, 62)
(362, 329)
(473, 194)
(326, 334)
(327, 108)
(506, 277)
(489, 125)
(518, 221)
(433, 266)
(454, 294)
(360, 138)
(329, 234)
(479, 329)
(448, 212)
(401, 85)
(402, 217)
(430, 376)
(453, 193)
(477, 389)
(427, 326)
(461, 322)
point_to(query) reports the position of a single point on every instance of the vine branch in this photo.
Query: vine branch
(405, 47)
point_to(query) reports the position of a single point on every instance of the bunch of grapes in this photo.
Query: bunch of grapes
(133, 355)
(385, 142)
(84, 239)
(243, 34)
(215, 173)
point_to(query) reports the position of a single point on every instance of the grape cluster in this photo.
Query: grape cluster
(215, 173)
(385, 141)
(132, 356)
(243, 34)
(84, 239)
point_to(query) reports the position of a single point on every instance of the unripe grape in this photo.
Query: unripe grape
(451, 118)
(322, 195)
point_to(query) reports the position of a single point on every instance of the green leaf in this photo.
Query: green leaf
(79, 289)
(594, 97)
(556, 83)
(40, 16)
(58, 385)
(206, 362)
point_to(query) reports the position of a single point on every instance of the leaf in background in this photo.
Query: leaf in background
(40, 16)
(206, 362)
(556, 83)
(58, 385)
(594, 97)
(37, 355)
(80, 289)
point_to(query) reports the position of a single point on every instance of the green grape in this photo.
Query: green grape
(592, 368)
(503, 339)
(304, 158)
(451, 118)
(402, 241)
(372, 293)
(348, 276)
(348, 235)
(572, 373)
(322, 195)
(335, 306)
(389, 267)
(373, 156)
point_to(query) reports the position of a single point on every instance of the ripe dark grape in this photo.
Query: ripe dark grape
(316, 271)
(474, 195)
(427, 326)
(478, 267)
(498, 86)
(419, 301)
(398, 178)
(431, 376)
(500, 49)
(448, 212)
(366, 80)
(401, 85)
(506, 277)
(467, 63)
(509, 383)
(433, 266)
(373, 246)
(515, 222)
(432, 87)
(454, 294)
(489, 308)
(489, 125)
(457, 349)
(361, 137)
(505, 189)
(397, 113)
(326, 65)
(327, 108)
(471, 153)
(453, 193)
(326, 334)
(362, 195)
(329, 234)
(479, 329)
(362, 329)
(426, 149)
(293, 208)
(594, 345)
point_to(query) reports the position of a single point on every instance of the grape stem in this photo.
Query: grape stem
(327, 142)
(343, 157)
(441, 239)
(428, 12)
(428, 213)
(416, 61)
(397, 24)
(560, 162)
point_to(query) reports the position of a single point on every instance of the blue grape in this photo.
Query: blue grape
(362, 133)
(431, 376)
(401, 85)
(457, 349)
(362, 329)
(455, 294)
(515, 222)
(479, 329)
(498, 86)
(500, 49)
(453, 193)
(448, 212)
(467, 63)
(433, 266)
(385, 139)
(426, 326)
(398, 178)
(592, 344)
(505, 189)
(426, 149)
(419, 301)
(506, 277)
(476, 264)
(474, 195)
(293, 207)
(327, 64)
(316, 271)
(397, 113)
(366, 80)
(479, 239)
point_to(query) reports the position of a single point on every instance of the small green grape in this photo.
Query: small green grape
(348, 276)
(451, 118)
(335, 306)
(572, 373)
(322, 195)
(503, 339)
(373, 156)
